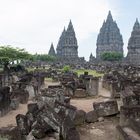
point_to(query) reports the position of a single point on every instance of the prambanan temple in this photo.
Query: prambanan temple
(109, 39)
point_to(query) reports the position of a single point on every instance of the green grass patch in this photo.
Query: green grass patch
(90, 72)
(49, 79)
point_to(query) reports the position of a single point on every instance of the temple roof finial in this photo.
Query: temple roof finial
(136, 25)
(109, 17)
(70, 26)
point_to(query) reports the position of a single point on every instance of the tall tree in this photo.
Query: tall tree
(9, 54)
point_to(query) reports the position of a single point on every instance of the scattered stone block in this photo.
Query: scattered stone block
(69, 131)
(91, 117)
(14, 104)
(80, 117)
(93, 87)
(126, 133)
(129, 112)
(80, 93)
(106, 108)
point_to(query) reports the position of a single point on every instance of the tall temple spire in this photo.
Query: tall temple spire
(133, 55)
(51, 51)
(136, 25)
(109, 17)
(109, 39)
(70, 27)
(91, 58)
(63, 33)
(67, 45)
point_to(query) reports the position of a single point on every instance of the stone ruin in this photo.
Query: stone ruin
(125, 84)
(52, 117)
(129, 127)
(79, 87)
(20, 88)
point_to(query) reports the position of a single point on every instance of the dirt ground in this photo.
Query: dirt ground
(9, 118)
(95, 131)
(105, 130)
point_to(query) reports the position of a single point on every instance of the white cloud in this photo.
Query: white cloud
(34, 24)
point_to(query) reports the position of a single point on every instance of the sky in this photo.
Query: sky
(35, 24)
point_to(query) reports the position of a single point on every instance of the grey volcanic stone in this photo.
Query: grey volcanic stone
(80, 117)
(80, 93)
(14, 104)
(106, 108)
(91, 117)
(69, 131)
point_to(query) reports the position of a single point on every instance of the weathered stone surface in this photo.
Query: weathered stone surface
(69, 131)
(129, 112)
(65, 110)
(31, 91)
(106, 108)
(14, 104)
(91, 117)
(80, 117)
(80, 93)
(4, 100)
(126, 133)
(11, 132)
(23, 124)
(130, 99)
(93, 87)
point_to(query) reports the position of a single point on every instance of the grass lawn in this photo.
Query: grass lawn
(90, 72)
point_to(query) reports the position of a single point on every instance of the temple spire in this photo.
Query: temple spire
(109, 17)
(133, 55)
(136, 25)
(91, 55)
(51, 51)
(70, 26)
(63, 33)
(67, 45)
(109, 38)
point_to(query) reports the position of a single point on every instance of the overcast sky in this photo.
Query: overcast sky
(34, 24)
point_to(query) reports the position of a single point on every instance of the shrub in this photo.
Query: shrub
(66, 68)
(111, 56)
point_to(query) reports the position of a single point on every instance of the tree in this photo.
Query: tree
(43, 57)
(9, 54)
(111, 56)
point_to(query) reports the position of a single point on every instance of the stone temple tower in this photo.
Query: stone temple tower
(109, 39)
(67, 46)
(133, 55)
(52, 51)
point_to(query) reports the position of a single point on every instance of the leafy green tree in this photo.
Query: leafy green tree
(111, 56)
(9, 54)
(43, 57)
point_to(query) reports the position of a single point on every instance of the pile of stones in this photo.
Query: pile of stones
(79, 87)
(129, 128)
(51, 116)
(116, 79)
